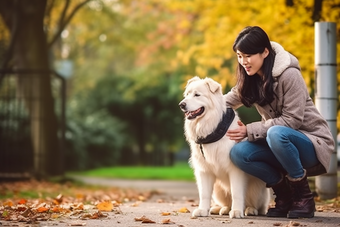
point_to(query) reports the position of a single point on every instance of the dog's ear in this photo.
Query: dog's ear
(192, 80)
(213, 85)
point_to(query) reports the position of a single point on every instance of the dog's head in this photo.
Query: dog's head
(198, 97)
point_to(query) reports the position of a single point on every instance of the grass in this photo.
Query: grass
(180, 171)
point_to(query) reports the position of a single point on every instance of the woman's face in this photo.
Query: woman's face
(252, 63)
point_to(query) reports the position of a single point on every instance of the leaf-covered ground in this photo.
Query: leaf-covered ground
(35, 201)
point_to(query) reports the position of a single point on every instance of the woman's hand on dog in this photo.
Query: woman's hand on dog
(237, 134)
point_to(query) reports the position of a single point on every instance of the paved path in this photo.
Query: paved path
(171, 189)
(178, 194)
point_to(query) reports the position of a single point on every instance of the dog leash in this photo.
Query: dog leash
(220, 130)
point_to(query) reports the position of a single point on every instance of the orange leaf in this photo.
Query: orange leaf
(22, 201)
(165, 213)
(105, 206)
(42, 209)
(8, 203)
(184, 210)
(56, 209)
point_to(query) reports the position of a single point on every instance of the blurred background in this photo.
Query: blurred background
(86, 84)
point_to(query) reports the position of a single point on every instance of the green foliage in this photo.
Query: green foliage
(93, 140)
(150, 117)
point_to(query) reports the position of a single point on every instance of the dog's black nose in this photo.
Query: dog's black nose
(182, 105)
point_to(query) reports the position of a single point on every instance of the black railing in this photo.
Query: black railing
(16, 149)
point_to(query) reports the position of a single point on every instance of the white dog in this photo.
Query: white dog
(207, 120)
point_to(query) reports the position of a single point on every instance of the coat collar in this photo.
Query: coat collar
(282, 59)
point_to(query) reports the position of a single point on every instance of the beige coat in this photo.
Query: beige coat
(293, 108)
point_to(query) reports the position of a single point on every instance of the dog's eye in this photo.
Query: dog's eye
(197, 95)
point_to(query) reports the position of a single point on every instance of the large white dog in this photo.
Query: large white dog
(207, 120)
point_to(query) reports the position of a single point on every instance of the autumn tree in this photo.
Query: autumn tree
(28, 54)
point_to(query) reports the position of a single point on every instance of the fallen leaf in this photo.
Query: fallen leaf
(20, 207)
(77, 206)
(165, 213)
(184, 210)
(136, 204)
(105, 206)
(56, 209)
(58, 200)
(55, 216)
(167, 221)
(141, 198)
(140, 219)
(8, 203)
(147, 220)
(42, 209)
(144, 219)
(5, 214)
(293, 223)
(22, 201)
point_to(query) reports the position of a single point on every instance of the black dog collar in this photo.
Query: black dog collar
(220, 130)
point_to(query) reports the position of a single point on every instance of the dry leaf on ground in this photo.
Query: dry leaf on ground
(144, 219)
(105, 206)
(167, 221)
(184, 210)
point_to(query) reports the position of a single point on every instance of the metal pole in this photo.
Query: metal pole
(326, 98)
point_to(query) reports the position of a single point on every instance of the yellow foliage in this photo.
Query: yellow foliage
(196, 36)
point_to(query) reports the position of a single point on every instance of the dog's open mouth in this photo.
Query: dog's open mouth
(193, 114)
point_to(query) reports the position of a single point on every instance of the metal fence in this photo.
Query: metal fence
(16, 150)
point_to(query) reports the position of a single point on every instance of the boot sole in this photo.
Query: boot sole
(276, 215)
(300, 215)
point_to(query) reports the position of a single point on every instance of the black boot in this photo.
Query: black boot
(303, 200)
(283, 199)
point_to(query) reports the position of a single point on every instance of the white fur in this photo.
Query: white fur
(233, 191)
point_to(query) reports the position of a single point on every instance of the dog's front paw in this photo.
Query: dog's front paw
(215, 210)
(251, 211)
(224, 210)
(219, 210)
(236, 214)
(200, 212)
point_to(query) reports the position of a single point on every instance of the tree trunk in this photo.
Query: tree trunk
(317, 10)
(30, 54)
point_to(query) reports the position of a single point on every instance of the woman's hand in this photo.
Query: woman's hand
(237, 134)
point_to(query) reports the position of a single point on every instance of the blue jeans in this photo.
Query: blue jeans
(284, 151)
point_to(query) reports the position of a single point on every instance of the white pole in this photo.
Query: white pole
(326, 98)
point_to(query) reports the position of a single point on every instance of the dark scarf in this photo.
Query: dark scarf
(220, 130)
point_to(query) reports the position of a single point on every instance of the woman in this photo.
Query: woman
(292, 140)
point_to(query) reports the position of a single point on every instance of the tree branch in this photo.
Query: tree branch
(63, 23)
(48, 11)
(63, 14)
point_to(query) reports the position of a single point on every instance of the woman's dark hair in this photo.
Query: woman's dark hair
(255, 89)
